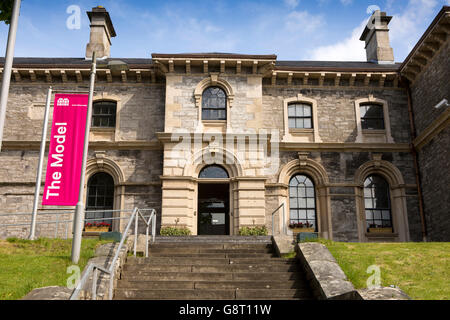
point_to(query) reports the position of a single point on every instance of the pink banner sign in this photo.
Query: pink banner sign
(66, 150)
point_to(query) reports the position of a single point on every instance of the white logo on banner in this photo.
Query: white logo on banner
(62, 102)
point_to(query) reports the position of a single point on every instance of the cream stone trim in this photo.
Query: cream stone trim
(232, 163)
(398, 199)
(319, 176)
(376, 135)
(439, 124)
(292, 135)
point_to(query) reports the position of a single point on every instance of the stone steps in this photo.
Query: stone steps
(204, 294)
(199, 250)
(149, 268)
(202, 268)
(222, 285)
(206, 261)
(216, 276)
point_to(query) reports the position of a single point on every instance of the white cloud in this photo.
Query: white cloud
(293, 3)
(303, 22)
(407, 28)
(349, 49)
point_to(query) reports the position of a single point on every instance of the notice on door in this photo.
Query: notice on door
(66, 150)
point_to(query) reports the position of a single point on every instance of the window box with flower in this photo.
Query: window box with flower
(298, 227)
(373, 228)
(97, 227)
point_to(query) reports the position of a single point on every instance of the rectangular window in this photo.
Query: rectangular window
(104, 114)
(372, 117)
(300, 116)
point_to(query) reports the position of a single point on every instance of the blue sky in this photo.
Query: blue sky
(292, 29)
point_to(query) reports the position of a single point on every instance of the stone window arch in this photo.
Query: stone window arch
(302, 132)
(396, 196)
(214, 81)
(101, 164)
(316, 173)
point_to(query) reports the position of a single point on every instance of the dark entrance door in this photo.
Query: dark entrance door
(213, 209)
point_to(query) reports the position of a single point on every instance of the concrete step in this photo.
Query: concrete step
(255, 284)
(272, 294)
(205, 261)
(210, 285)
(214, 239)
(155, 285)
(182, 294)
(207, 250)
(212, 255)
(210, 276)
(148, 268)
(192, 294)
(216, 246)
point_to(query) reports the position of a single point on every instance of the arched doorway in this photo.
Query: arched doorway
(100, 196)
(213, 201)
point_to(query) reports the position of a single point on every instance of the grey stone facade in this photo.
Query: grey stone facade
(157, 97)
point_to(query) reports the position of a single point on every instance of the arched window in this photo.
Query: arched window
(302, 202)
(100, 196)
(104, 114)
(213, 172)
(300, 116)
(214, 104)
(377, 204)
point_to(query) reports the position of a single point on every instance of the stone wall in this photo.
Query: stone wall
(140, 116)
(434, 161)
(431, 87)
(336, 110)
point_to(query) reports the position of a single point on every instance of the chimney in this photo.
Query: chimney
(376, 37)
(102, 30)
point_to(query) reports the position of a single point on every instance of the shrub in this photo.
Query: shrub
(175, 231)
(253, 231)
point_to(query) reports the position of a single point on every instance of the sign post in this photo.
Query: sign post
(41, 162)
(8, 65)
(79, 210)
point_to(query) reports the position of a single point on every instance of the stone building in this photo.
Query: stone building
(216, 142)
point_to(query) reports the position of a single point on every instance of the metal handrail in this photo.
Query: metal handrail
(95, 268)
(65, 222)
(283, 216)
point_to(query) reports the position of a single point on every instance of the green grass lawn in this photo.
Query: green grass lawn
(421, 270)
(26, 265)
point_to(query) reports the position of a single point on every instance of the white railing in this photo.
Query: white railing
(283, 229)
(94, 269)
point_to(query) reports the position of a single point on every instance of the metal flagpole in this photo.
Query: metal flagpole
(8, 66)
(79, 210)
(41, 162)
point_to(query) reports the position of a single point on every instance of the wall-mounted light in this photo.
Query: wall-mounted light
(443, 103)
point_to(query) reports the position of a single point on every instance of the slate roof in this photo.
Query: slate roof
(145, 63)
